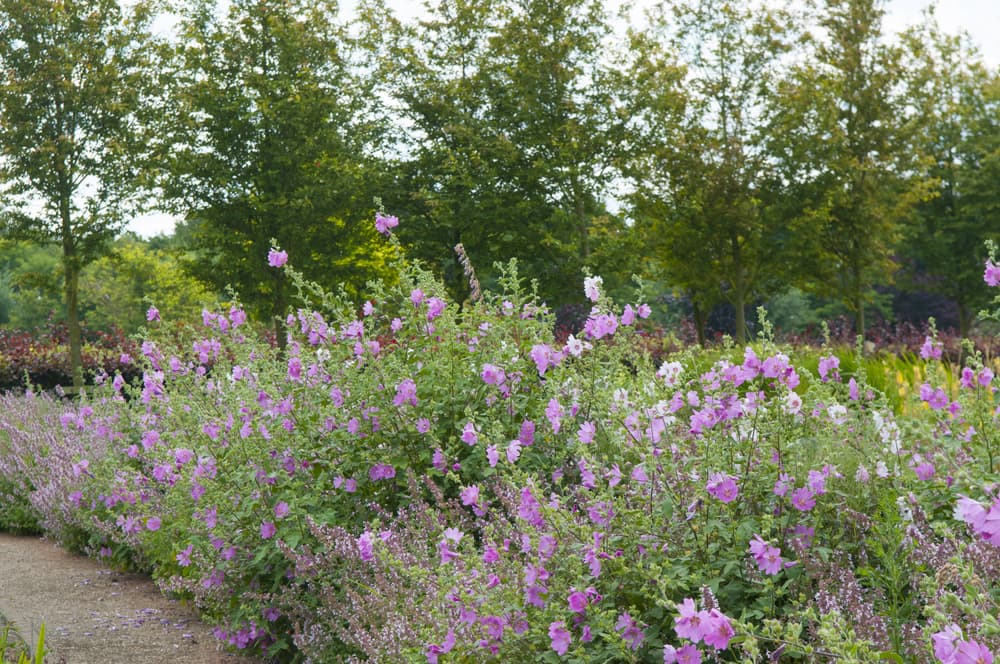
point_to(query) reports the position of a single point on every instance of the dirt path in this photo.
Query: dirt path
(94, 615)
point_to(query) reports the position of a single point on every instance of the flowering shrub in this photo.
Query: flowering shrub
(405, 480)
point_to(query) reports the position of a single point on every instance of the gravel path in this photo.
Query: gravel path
(94, 615)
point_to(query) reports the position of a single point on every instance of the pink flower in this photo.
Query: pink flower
(577, 602)
(527, 433)
(803, 499)
(470, 495)
(153, 523)
(152, 314)
(972, 652)
(711, 626)
(435, 306)
(493, 375)
(281, 510)
(628, 315)
(365, 546)
(688, 623)
(446, 554)
(592, 288)
(587, 432)
(267, 530)
(689, 654)
(968, 379)
(554, 412)
(381, 471)
(717, 631)
(544, 356)
(433, 650)
(560, 637)
(469, 435)
(406, 393)
(992, 274)
(924, 471)
(931, 349)
(237, 316)
(276, 258)
(946, 642)
(935, 398)
(970, 511)
(783, 484)
(828, 368)
(630, 631)
(767, 556)
(384, 223)
(723, 487)
(513, 451)
(985, 376)
(601, 513)
(184, 557)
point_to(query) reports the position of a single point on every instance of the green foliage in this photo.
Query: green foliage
(706, 185)
(117, 289)
(516, 124)
(855, 184)
(272, 141)
(14, 649)
(959, 133)
(74, 92)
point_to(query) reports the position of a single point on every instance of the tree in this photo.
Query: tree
(704, 182)
(958, 102)
(556, 99)
(844, 140)
(117, 289)
(453, 177)
(274, 139)
(512, 134)
(74, 78)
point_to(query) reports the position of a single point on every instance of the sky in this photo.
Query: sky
(980, 18)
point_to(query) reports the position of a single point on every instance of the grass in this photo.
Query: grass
(14, 648)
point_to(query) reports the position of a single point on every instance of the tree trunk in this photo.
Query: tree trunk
(964, 323)
(859, 317)
(739, 293)
(72, 288)
(964, 319)
(700, 318)
(71, 269)
(580, 211)
(859, 300)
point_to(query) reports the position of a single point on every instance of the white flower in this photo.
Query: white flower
(620, 396)
(513, 451)
(575, 347)
(793, 403)
(837, 413)
(670, 372)
(592, 288)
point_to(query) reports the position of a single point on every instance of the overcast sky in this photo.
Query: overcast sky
(980, 18)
